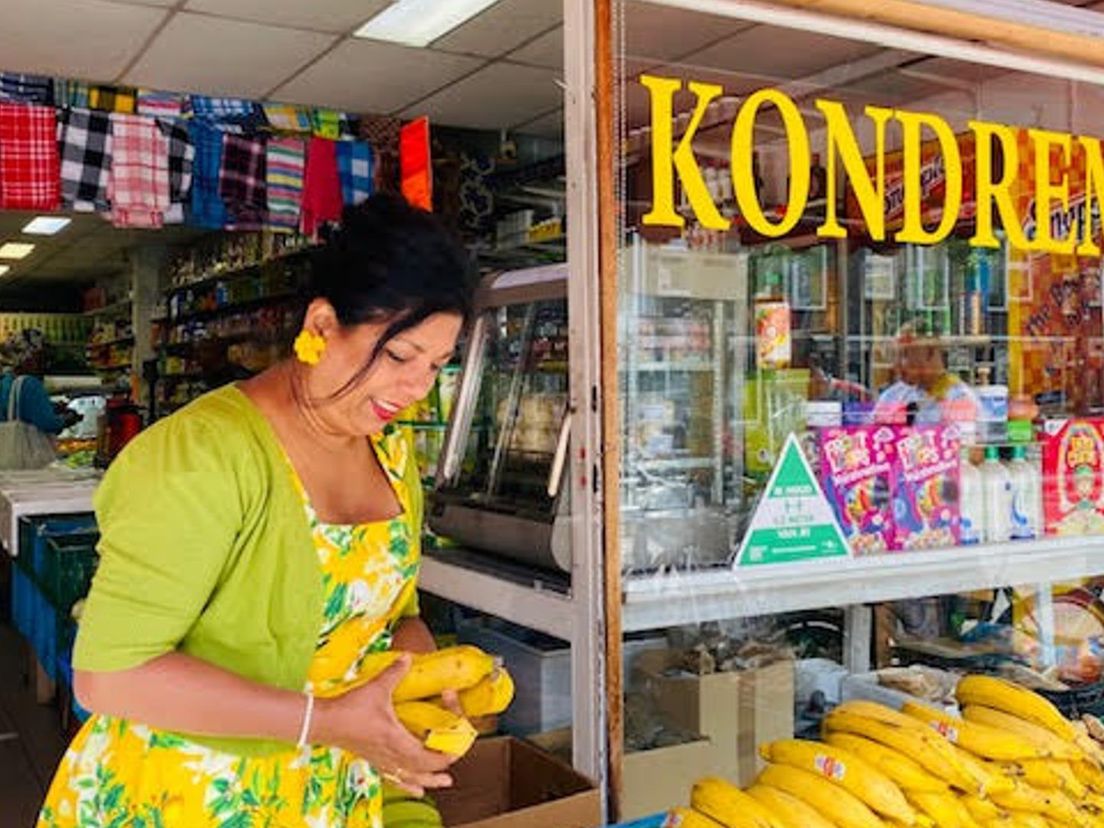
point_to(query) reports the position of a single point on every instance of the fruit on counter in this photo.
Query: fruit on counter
(437, 728)
(1046, 742)
(983, 810)
(794, 812)
(903, 770)
(723, 802)
(981, 740)
(490, 696)
(988, 779)
(830, 800)
(944, 809)
(684, 818)
(1038, 773)
(852, 773)
(999, 694)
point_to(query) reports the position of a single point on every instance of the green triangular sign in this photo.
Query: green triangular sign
(793, 521)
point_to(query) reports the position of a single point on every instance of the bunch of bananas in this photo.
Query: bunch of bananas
(401, 810)
(1010, 761)
(483, 686)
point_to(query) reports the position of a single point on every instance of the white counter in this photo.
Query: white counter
(49, 491)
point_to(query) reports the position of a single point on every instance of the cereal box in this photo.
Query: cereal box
(925, 487)
(855, 467)
(1073, 484)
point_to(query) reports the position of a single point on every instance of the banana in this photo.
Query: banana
(1088, 775)
(491, 695)
(1038, 773)
(902, 769)
(411, 811)
(945, 810)
(794, 812)
(982, 810)
(845, 769)
(723, 802)
(1000, 694)
(1051, 746)
(987, 777)
(451, 668)
(980, 740)
(1025, 819)
(932, 751)
(682, 818)
(1073, 786)
(437, 728)
(831, 801)
(1055, 805)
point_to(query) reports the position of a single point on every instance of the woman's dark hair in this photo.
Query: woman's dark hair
(391, 261)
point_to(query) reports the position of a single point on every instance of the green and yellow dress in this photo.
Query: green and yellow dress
(121, 774)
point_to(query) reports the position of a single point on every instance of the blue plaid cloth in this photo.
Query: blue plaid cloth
(33, 89)
(208, 209)
(229, 111)
(356, 169)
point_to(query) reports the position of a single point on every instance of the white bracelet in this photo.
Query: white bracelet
(308, 714)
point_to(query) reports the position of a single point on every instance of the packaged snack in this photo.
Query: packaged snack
(925, 487)
(1073, 489)
(855, 465)
(773, 341)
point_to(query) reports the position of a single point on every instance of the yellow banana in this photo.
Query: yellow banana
(987, 777)
(831, 801)
(902, 769)
(944, 809)
(491, 695)
(723, 802)
(1026, 819)
(795, 813)
(1051, 746)
(1069, 781)
(999, 694)
(1038, 773)
(1088, 775)
(411, 812)
(845, 769)
(451, 668)
(1054, 804)
(980, 740)
(437, 728)
(982, 810)
(686, 818)
(932, 751)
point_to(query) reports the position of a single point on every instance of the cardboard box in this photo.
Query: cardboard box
(507, 783)
(652, 781)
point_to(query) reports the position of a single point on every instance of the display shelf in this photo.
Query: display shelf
(225, 310)
(653, 601)
(674, 463)
(233, 274)
(113, 307)
(126, 340)
(671, 367)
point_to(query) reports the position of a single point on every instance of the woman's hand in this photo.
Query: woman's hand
(363, 721)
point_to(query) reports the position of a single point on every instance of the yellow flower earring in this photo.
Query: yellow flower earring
(309, 347)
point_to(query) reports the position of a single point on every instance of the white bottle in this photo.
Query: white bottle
(997, 488)
(1025, 515)
(971, 502)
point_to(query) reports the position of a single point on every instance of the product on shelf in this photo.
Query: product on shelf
(856, 463)
(1026, 486)
(996, 486)
(925, 487)
(971, 502)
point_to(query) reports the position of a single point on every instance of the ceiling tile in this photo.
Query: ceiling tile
(771, 53)
(663, 33)
(196, 52)
(500, 96)
(547, 51)
(502, 27)
(90, 39)
(369, 76)
(546, 126)
(338, 16)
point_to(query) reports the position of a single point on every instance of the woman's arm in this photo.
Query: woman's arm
(35, 406)
(413, 636)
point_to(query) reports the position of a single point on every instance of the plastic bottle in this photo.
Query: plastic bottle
(997, 488)
(971, 502)
(1025, 481)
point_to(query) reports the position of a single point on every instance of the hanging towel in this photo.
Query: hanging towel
(181, 162)
(70, 93)
(231, 115)
(26, 88)
(139, 182)
(84, 140)
(160, 104)
(321, 187)
(121, 99)
(30, 170)
(287, 117)
(355, 167)
(331, 124)
(207, 207)
(284, 164)
(242, 181)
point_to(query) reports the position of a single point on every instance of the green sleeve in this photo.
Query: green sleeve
(169, 511)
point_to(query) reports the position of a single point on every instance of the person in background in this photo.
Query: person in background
(257, 546)
(925, 392)
(23, 355)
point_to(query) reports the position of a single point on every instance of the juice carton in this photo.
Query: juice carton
(1073, 482)
(925, 485)
(855, 467)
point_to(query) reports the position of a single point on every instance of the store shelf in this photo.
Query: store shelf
(671, 367)
(226, 310)
(126, 340)
(674, 463)
(114, 307)
(671, 599)
(211, 279)
(119, 366)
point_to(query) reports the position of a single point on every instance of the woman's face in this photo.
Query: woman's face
(402, 374)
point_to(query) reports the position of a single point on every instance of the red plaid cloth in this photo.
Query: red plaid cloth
(30, 170)
(242, 184)
(139, 183)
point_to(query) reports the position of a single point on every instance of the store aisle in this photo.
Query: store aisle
(31, 742)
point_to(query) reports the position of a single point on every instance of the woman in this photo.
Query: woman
(23, 355)
(254, 548)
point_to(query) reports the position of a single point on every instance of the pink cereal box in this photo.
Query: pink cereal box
(925, 486)
(855, 466)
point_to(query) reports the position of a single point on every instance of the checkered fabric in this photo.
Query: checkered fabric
(30, 171)
(287, 117)
(284, 163)
(225, 110)
(181, 162)
(355, 167)
(121, 99)
(26, 88)
(160, 104)
(84, 141)
(139, 182)
(242, 181)
(208, 209)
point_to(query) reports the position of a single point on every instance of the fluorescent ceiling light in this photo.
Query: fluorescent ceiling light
(46, 225)
(420, 22)
(15, 250)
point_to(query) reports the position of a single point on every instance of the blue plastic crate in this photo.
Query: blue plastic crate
(35, 531)
(647, 822)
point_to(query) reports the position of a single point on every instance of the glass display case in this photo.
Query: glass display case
(498, 484)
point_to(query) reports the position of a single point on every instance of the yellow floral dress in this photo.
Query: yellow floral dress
(120, 774)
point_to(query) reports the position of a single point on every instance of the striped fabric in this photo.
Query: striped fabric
(287, 117)
(70, 93)
(286, 158)
(22, 88)
(160, 104)
(121, 99)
